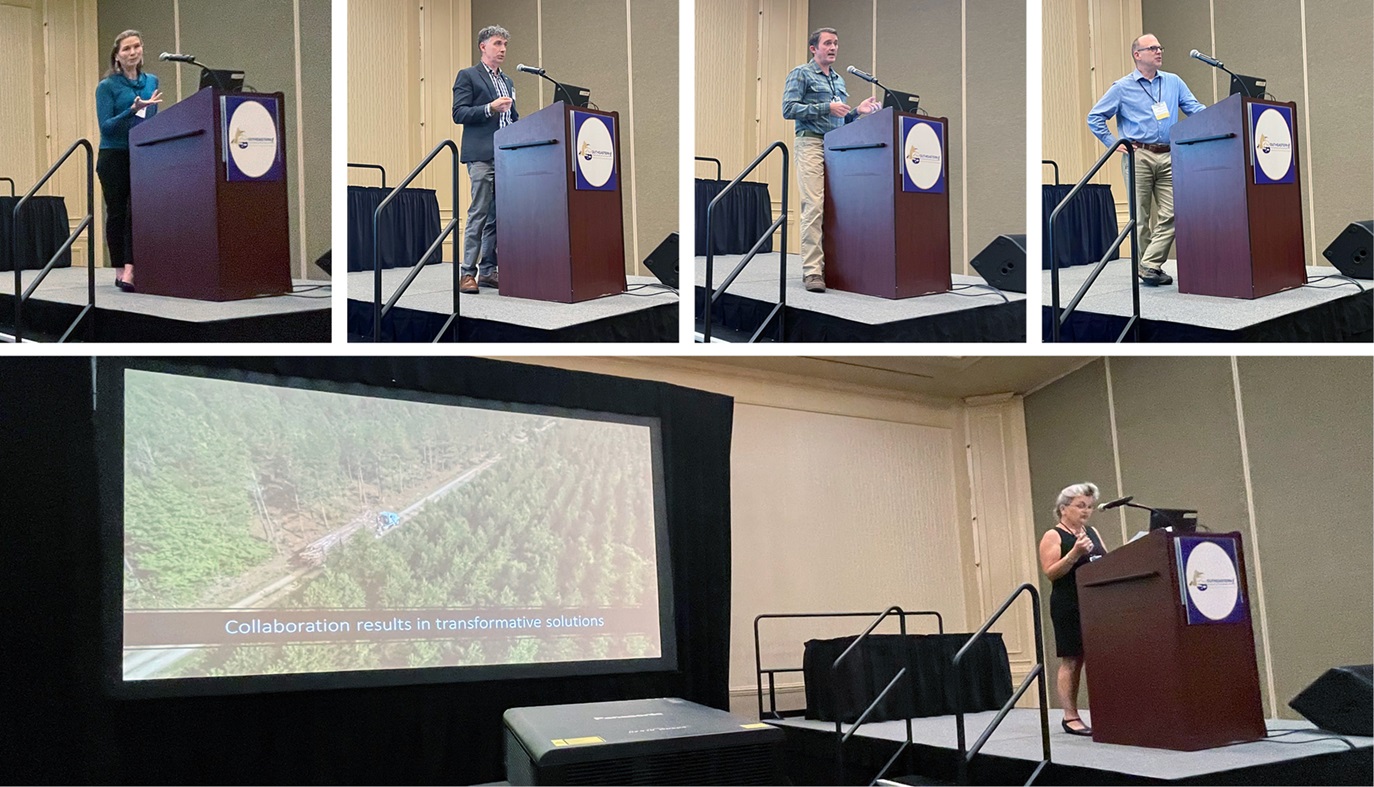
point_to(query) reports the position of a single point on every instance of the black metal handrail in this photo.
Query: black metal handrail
(843, 737)
(1037, 673)
(1132, 325)
(759, 671)
(379, 310)
(377, 167)
(11, 182)
(719, 169)
(86, 225)
(780, 310)
(1054, 164)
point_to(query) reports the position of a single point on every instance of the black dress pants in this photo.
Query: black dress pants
(112, 167)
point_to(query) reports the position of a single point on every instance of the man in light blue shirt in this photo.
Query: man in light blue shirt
(1146, 104)
(815, 97)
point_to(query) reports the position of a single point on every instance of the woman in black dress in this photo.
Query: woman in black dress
(1065, 547)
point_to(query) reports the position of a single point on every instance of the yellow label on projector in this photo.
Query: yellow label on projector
(758, 725)
(578, 741)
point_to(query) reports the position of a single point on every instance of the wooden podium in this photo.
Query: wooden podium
(204, 226)
(880, 237)
(1234, 237)
(560, 237)
(1161, 673)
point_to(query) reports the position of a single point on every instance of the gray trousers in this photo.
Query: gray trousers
(479, 239)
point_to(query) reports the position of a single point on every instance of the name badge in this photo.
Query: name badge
(1161, 111)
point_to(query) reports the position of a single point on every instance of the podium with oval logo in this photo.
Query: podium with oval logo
(208, 184)
(886, 228)
(559, 227)
(1169, 644)
(1238, 199)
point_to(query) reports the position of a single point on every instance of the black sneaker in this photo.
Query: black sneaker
(1155, 278)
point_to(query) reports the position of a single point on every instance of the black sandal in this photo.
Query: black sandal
(1086, 731)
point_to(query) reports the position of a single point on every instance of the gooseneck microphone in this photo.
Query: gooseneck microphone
(177, 58)
(864, 75)
(1115, 503)
(530, 69)
(1208, 59)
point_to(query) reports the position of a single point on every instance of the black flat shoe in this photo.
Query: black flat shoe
(126, 286)
(1086, 731)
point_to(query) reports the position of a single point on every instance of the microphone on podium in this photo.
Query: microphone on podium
(1209, 60)
(177, 58)
(864, 75)
(1115, 503)
(530, 69)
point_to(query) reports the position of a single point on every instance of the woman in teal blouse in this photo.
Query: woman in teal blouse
(124, 98)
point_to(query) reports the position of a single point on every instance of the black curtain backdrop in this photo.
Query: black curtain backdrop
(59, 725)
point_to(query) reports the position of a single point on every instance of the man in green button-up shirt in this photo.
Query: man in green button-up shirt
(815, 97)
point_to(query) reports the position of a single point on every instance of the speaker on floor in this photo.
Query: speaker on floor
(1003, 263)
(1350, 251)
(1342, 701)
(325, 262)
(662, 261)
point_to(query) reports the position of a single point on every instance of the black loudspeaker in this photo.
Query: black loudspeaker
(1350, 251)
(662, 261)
(1341, 701)
(325, 262)
(1003, 263)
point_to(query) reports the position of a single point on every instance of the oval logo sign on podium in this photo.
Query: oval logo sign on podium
(923, 166)
(1271, 131)
(593, 152)
(1210, 580)
(250, 138)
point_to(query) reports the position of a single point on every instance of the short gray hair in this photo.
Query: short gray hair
(492, 31)
(1068, 493)
(815, 39)
(1135, 45)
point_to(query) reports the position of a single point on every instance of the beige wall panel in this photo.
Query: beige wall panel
(782, 46)
(1338, 164)
(1310, 471)
(727, 100)
(1066, 85)
(22, 121)
(1002, 523)
(995, 127)
(654, 121)
(834, 513)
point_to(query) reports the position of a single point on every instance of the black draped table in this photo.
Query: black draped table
(408, 225)
(42, 230)
(930, 687)
(1086, 228)
(740, 218)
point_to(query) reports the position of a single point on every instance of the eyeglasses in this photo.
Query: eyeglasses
(1159, 50)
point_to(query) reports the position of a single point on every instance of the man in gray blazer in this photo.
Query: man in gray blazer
(483, 101)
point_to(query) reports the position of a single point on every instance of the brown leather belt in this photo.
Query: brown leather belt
(1151, 147)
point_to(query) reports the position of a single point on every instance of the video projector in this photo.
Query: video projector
(654, 741)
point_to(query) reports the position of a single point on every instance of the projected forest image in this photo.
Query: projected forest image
(278, 530)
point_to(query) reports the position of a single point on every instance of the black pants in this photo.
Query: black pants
(112, 166)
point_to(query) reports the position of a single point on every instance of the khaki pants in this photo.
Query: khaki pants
(810, 152)
(1154, 201)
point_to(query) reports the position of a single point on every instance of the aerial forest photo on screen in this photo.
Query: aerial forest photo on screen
(272, 529)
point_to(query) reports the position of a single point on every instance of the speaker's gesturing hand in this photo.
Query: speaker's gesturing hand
(839, 109)
(140, 103)
(501, 104)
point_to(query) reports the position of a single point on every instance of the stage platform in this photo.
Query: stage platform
(136, 317)
(971, 313)
(1014, 750)
(1332, 310)
(648, 313)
